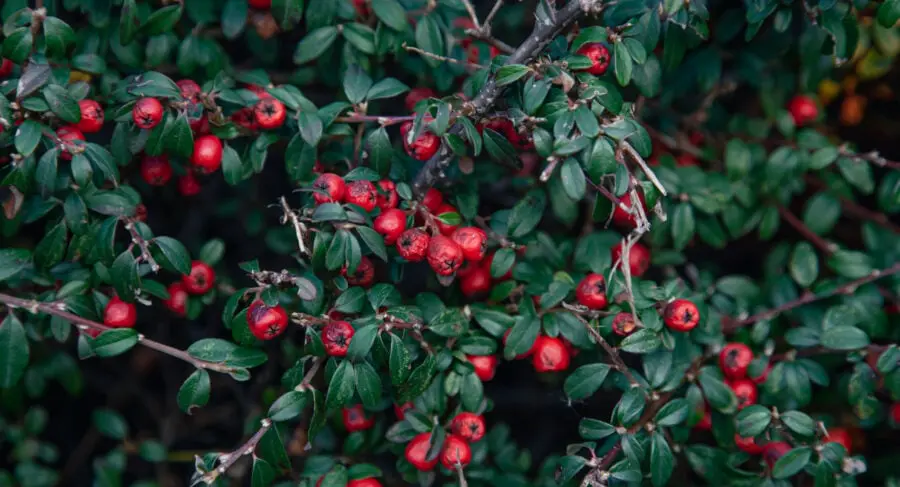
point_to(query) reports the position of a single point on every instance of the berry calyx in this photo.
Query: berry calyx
(747, 445)
(361, 193)
(591, 291)
(599, 56)
(156, 170)
(485, 366)
(550, 355)
(329, 188)
(424, 147)
(336, 337)
(638, 258)
(413, 244)
(472, 241)
(773, 451)
(455, 452)
(270, 113)
(355, 418)
(207, 155)
(623, 324)
(681, 315)
(119, 314)
(526, 354)
(387, 196)
(91, 116)
(147, 113)
(745, 390)
(391, 223)
(189, 88)
(468, 426)
(803, 110)
(416, 452)
(444, 255)
(201, 278)
(188, 185)
(432, 200)
(416, 95)
(178, 296)
(476, 282)
(840, 436)
(364, 275)
(67, 135)
(734, 359)
(266, 322)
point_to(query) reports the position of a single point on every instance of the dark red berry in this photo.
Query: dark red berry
(734, 359)
(412, 244)
(246, 118)
(444, 255)
(625, 219)
(364, 275)
(369, 482)
(840, 436)
(550, 355)
(260, 4)
(266, 322)
(424, 147)
(188, 185)
(485, 366)
(894, 413)
(387, 196)
(362, 7)
(432, 200)
(355, 418)
(207, 155)
(705, 422)
(67, 136)
(361, 193)
(773, 451)
(147, 112)
(591, 291)
(91, 116)
(455, 452)
(390, 223)
(747, 445)
(623, 324)
(472, 241)
(681, 315)
(526, 354)
(400, 411)
(638, 258)
(803, 110)
(476, 283)
(6, 67)
(416, 95)
(502, 126)
(330, 188)
(156, 170)
(745, 390)
(468, 426)
(178, 296)
(270, 113)
(201, 278)
(599, 56)
(119, 314)
(417, 453)
(336, 337)
(685, 160)
(189, 88)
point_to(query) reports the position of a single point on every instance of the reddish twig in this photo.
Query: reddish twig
(820, 243)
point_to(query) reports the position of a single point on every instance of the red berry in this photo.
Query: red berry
(745, 390)
(417, 452)
(476, 283)
(445, 228)
(591, 291)
(502, 126)
(207, 153)
(259, 91)
(734, 359)
(188, 185)
(266, 322)
(472, 241)
(894, 412)
(147, 112)
(364, 275)
(246, 118)
(444, 255)
(260, 4)
(178, 296)
(189, 88)
(6, 67)
(686, 160)
(803, 110)
(140, 212)
(487, 265)
(681, 315)
(67, 135)
(361, 193)
(599, 56)
(156, 170)
(387, 197)
(425, 145)
(416, 95)
(200, 280)
(369, 482)
(329, 188)
(705, 422)
(747, 445)
(638, 258)
(401, 410)
(391, 223)
(361, 7)
(840, 436)
(623, 324)
(773, 451)
(355, 418)
(336, 336)
(485, 366)
(455, 452)
(621, 217)
(198, 121)
(761, 378)
(432, 200)
(468, 426)
(527, 354)
(119, 314)
(413, 244)
(550, 355)
(91, 116)
(270, 113)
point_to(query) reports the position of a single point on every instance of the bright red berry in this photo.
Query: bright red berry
(270, 113)
(485, 366)
(207, 153)
(623, 324)
(261, 4)
(6, 67)
(747, 445)
(391, 223)
(734, 359)
(416, 95)
(550, 355)
(638, 258)
(246, 118)
(369, 482)
(413, 244)
(188, 185)
(591, 291)
(91, 116)
(387, 196)
(425, 145)
(803, 109)
(625, 219)
(119, 314)
(201, 278)
(599, 56)
(361, 193)
(745, 390)
(472, 241)
(526, 354)
(189, 88)
(773, 451)
(417, 452)
(364, 275)
(432, 200)
(446, 228)
(468, 426)
(330, 188)
(178, 296)
(156, 170)
(147, 112)
(444, 255)
(266, 322)
(476, 283)
(355, 418)
(681, 315)
(840, 436)
(400, 411)
(67, 135)
(336, 336)
(455, 452)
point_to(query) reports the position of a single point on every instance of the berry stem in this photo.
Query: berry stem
(248, 448)
(820, 243)
(299, 228)
(812, 351)
(611, 351)
(856, 210)
(142, 244)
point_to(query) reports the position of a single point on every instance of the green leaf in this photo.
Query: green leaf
(522, 336)
(502, 262)
(662, 461)
(380, 151)
(622, 63)
(162, 20)
(14, 352)
(52, 248)
(286, 12)
(128, 22)
(62, 103)
(46, 172)
(683, 225)
(594, 429)
(110, 423)
(430, 39)
(585, 381)
(471, 392)
(362, 342)
(850, 264)
(27, 137)
(791, 463)
(212, 251)
(510, 74)
(398, 361)
(373, 240)
(888, 13)
(368, 384)
(124, 276)
(718, 394)
(57, 36)
(737, 159)
(843, 337)
(804, 266)
(17, 45)
(314, 44)
(179, 139)
(114, 342)
(673, 413)
(450, 322)
(573, 179)
(386, 88)
(391, 13)
(418, 380)
(288, 406)
(527, 213)
(194, 392)
(752, 420)
(234, 18)
(351, 300)
(13, 261)
(173, 255)
(342, 386)
(641, 341)
(800, 423)
(356, 85)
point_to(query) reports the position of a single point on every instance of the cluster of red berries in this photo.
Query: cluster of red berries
(734, 360)
(465, 428)
(269, 113)
(91, 122)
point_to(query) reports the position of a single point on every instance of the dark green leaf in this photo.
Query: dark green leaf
(791, 463)
(194, 392)
(585, 381)
(14, 352)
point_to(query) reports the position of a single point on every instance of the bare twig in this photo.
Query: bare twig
(820, 243)
(445, 59)
(142, 244)
(248, 448)
(613, 353)
(299, 227)
(855, 209)
(629, 150)
(472, 15)
(383, 120)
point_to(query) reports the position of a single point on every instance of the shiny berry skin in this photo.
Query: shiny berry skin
(330, 188)
(550, 355)
(468, 426)
(773, 451)
(485, 366)
(681, 315)
(433, 200)
(270, 113)
(413, 244)
(387, 196)
(445, 228)
(147, 113)
(91, 116)
(599, 56)
(591, 291)
(261, 4)
(734, 359)
(207, 153)
(266, 322)
(67, 135)
(6, 67)
(364, 275)
(623, 324)
(417, 452)
(621, 217)
(200, 280)
(894, 412)
(391, 223)
(189, 88)
(424, 147)
(355, 418)
(747, 445)
(472, 241)
(369, 482)
(745, 390)
(455, 452)
(156, 170)
(487, 265)
(188, 185)
(336, 336)
(119, 314)
(400, 411)
(444, 255)
(638, 258)
(803, 110)
(476, 283)
(530, 350)
(840, 436)
(361, 193)
(416, 95)
(177, 302)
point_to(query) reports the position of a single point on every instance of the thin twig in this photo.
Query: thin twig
(629, 149)
(248, 448)
(299, 228)
(611, 351)
(492, 13)
(855, 209)
(142, 244)
(446, 59)
(383, 120)
(820, 243)
(472, 15)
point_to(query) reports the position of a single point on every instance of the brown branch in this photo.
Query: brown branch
(248, 448)
(383, 120)
(613, 353)
(820, 243)
(142, 244)
(855, 209)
